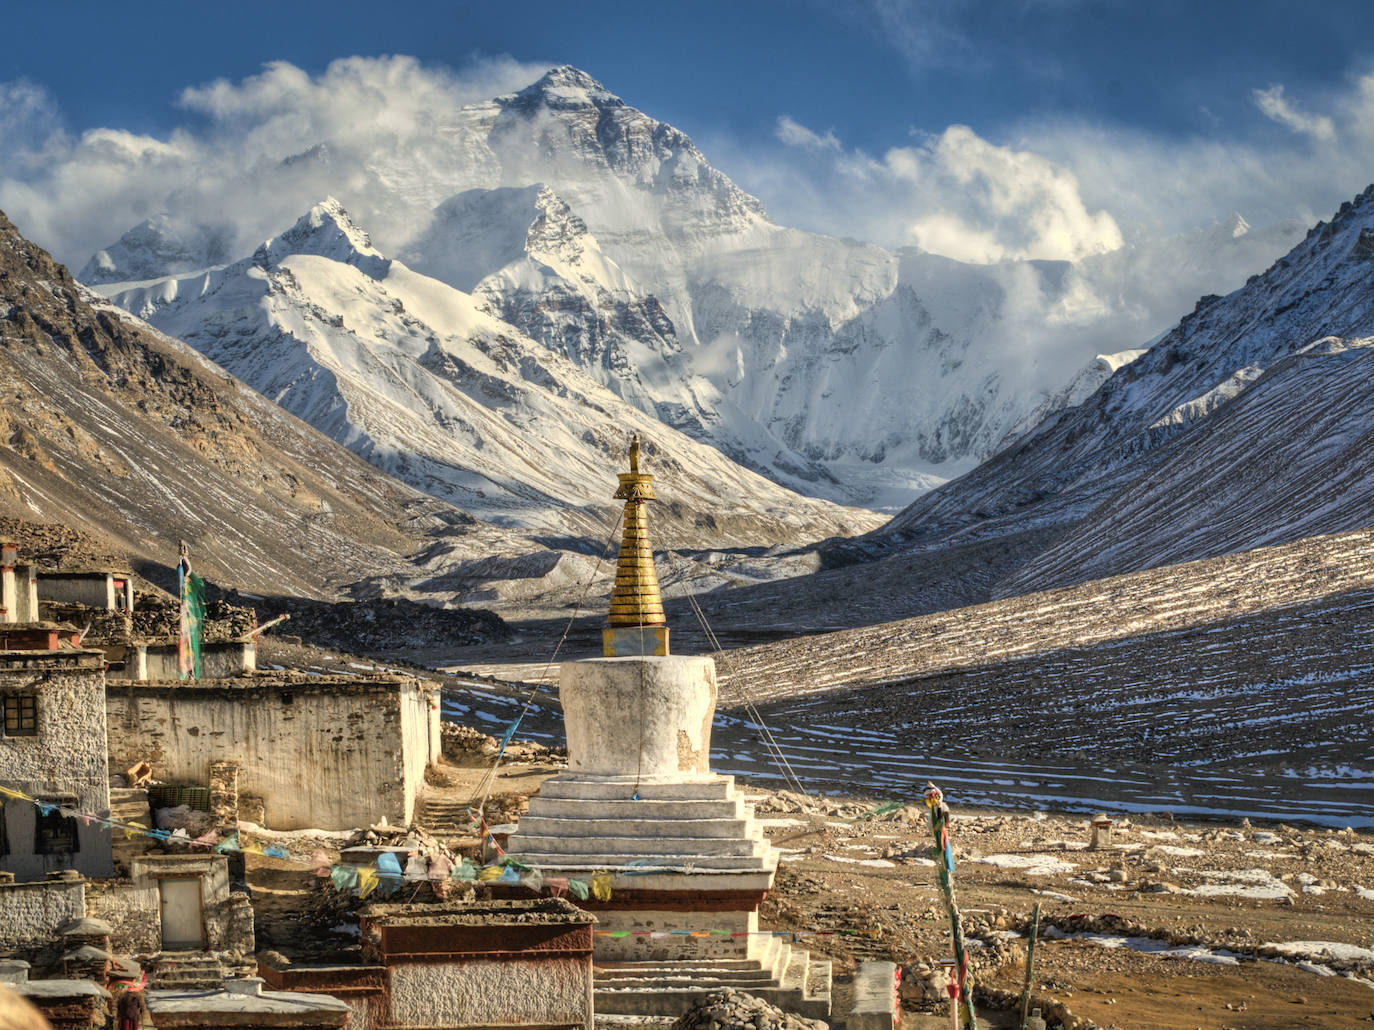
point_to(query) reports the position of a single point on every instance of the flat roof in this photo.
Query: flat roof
(285, 1003)
(482, 913)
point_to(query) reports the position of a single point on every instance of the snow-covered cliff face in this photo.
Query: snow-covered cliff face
(836, 368)
(1249, 423)
(415, 376)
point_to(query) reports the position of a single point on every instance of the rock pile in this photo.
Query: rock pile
(462, 744)
(158, 619)
(735, 1010)
(383, 625)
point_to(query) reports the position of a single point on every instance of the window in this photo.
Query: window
(21, 715)
(4, 833)
(56, 834)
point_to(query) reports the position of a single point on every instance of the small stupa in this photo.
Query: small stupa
(687, 862)
(636, 625)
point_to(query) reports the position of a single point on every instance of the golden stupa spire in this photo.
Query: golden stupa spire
(636, 625)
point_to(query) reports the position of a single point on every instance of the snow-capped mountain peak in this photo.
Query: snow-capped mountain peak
(834, 367)
(563, 87)
(156, 247)
(1235, 225)
(432, 386)
(328, 231)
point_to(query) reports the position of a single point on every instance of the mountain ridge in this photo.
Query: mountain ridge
(114, 427)
(837, 369)
(414, 376)
(1245, 425)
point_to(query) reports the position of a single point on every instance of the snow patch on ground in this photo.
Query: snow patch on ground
(1034, 865)
(1329, 950)
(876, 863)
(1242, 883)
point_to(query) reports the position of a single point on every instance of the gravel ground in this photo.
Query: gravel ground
(1176, 925)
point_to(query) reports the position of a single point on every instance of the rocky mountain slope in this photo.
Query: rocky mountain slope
(836, 368)
(414, 376)
(136, 438)
(1247, 424)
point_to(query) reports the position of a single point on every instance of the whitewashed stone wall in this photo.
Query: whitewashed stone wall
(134, 910)
(328, 752)
(65, 760)
(32, 913)
(217, 661)
(96, 590)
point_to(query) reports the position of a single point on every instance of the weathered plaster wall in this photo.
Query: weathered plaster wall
(322, 752)
(7, 599)
(662, 715)
(487, 993)
(96, 589)
(217, 661)
(94, 856)
(32, 913)
(65, 760)
(26, 593)
(420, 738)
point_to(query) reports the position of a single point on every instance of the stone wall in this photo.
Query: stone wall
(421, 737)
(222, 660)
(484, 992)
(134, 911)
(91, 588)
(328, 752)
(65, 761)
(32, 913)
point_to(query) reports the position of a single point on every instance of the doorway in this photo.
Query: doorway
(183, 928)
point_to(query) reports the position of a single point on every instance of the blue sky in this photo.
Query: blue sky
(843, 118)
(870, 71)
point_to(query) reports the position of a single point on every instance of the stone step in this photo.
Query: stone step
(669, 989)
(532, 825)
(740, 979)
(651, 967)
(555, 864)
(572, 808)
(185, 970)
(768, 966)
(876, 1005)
(618, 788)
(640, 846)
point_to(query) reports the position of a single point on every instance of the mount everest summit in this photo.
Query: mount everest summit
(837, 369)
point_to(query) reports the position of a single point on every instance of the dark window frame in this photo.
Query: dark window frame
(21, 714)
(55, 834)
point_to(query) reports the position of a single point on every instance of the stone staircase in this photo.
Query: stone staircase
(186, 970)
(783, 974)
(443, 817)
(585, 825)
(698, 833)
(130, 804)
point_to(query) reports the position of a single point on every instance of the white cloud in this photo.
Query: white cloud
(29, 118)
(1274, 104)
(984, 202)
(1045, 190)
(794, 134)
(75, 196)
